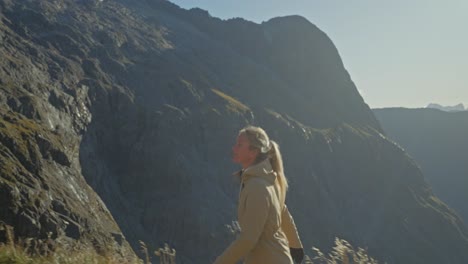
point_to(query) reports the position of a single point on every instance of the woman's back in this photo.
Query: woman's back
(260, 209)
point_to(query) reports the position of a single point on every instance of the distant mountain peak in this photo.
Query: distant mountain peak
(455, 108)
(291, 19)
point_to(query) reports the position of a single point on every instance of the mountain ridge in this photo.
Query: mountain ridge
(436, 139)
(458, 107)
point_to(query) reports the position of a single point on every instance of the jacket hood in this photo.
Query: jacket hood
(262, 169)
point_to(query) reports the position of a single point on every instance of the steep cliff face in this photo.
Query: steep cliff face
(437, 140)
(151, 96)
(44, 113)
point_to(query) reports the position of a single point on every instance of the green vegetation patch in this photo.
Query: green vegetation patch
(306, 132)
(16, 132)
(18, 136)
(193, 91)
(233, 104)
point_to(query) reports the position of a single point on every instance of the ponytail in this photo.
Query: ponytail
(276, 161)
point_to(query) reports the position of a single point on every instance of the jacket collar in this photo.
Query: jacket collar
(262, 169)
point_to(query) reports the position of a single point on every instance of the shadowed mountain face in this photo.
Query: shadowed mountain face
(438, 142)
(149, 97)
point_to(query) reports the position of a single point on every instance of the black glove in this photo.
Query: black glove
(297, 254)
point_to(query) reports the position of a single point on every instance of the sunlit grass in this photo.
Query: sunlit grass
(342, 253)
(37, 251)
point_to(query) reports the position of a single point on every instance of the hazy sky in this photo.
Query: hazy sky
(399, 53)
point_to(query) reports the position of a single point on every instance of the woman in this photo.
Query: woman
(268, 233)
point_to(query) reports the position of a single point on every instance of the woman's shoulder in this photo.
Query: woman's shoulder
(256, 184)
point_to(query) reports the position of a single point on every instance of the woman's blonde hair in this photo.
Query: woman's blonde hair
(258, 139)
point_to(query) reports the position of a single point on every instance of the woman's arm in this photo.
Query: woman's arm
(254, 217)
(289, 228)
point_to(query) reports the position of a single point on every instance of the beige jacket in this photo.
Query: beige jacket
(267, 230)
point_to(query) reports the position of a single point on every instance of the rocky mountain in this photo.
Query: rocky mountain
(44, 114)
(140, 102)
(455, 108)
(438, 142)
